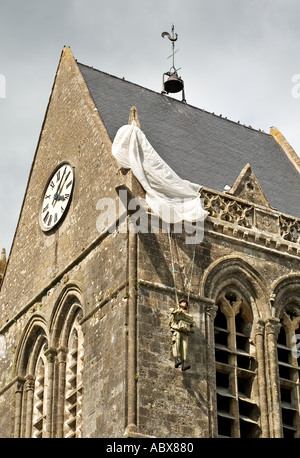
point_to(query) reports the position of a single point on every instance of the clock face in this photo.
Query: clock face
(57, 196)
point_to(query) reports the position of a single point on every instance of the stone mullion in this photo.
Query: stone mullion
(261, 375)
(272, 330)
(233, 374)
(290, 336)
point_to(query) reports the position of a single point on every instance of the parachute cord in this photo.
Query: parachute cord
(173, 269)
(192, 269)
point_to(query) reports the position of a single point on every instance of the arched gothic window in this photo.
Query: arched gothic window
(289, 367)
(31, 412)
(49, 369)
(237, 411)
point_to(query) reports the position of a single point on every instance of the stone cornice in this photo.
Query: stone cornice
(246, 221)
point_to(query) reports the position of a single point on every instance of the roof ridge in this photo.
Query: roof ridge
(175, 100)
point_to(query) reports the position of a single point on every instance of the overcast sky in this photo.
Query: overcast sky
(237, 58)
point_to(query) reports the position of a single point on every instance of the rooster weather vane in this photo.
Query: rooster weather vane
(174, 83)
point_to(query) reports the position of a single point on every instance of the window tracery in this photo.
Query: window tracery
(237, 409)
(289, 367)
(31, 394)
(50, 371)
(40, 396)
(73, 395)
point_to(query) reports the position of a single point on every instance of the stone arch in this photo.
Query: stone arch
(32, 339)
(67, 307)
(235, 274)
(286, 293)
(31, 369)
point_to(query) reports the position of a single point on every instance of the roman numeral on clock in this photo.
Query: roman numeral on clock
(45, 218)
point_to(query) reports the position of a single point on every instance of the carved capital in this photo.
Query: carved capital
(29, 383)
(273, 326)
(50, 354)
(62, 353)
(259, 328)
(211, 310)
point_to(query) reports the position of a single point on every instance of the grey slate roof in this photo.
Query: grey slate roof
(199, 146)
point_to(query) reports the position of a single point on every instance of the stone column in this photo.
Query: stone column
(62, 363)
(132, 331)
(29, 388)
(210, 314)
(50, 354)
(272, 330)
(259, 332)
(18, 407)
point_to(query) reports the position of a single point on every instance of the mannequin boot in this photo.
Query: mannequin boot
(185, 366)
(177, 362)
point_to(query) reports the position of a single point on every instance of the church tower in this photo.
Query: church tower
(95, 278)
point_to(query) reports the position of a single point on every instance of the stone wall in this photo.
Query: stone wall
(100, 281)
(184, 402)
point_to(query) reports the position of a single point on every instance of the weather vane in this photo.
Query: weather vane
(174, 83)
(172, 38)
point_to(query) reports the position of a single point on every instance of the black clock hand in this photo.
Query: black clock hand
(58, 197)
(59, 186)
(55, 198)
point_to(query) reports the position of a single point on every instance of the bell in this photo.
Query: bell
(173, 84)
